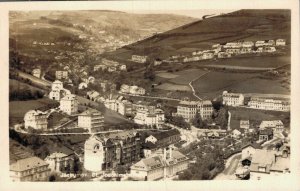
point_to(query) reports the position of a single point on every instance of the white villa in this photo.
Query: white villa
(90, 118)
(146, 117)
(232, 99)
(36, 119)
(69, 104)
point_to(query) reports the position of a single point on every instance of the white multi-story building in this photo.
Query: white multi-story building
(146, 117)
(159, 166)
(58, 161)
(36, 119)
(29, 169)
(139, 59)
(233, 45)
(61, 75)
(90, 119)
(188, 109)
(269, 104)
(36, 72)
(248, 44)
(69, 104)
(57, 85)
(280, 42)
(232, 99)
(134, 90)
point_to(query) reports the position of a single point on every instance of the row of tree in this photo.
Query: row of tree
(23, 95)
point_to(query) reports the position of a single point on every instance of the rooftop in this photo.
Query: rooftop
(27, 164)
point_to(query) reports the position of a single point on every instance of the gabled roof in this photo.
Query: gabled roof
(254, 145)
(27, 164)
(165, 134)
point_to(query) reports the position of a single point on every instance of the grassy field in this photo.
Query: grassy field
(173, 81)
(16, 85)
(17, 109)
(254, 62)
(214, 83)
(256, 116)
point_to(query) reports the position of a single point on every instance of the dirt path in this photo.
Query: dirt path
(190, 84)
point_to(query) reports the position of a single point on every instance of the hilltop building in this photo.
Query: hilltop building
(280, 42)
(269, 104)
(139, 59)
(232, 99)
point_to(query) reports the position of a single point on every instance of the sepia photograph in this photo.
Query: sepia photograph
(146, 94)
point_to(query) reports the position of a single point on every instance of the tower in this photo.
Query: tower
(93, 154)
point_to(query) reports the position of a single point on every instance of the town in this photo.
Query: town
(101, 116)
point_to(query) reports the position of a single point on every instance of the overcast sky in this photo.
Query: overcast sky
(191, 13)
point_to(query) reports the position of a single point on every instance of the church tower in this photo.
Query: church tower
(93, 154)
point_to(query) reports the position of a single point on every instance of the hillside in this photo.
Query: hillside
(41, 38)
(239, 25)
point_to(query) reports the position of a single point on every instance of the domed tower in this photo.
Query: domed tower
(93, 154)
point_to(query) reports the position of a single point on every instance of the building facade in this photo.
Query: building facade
(103, 153)
(90, 119)
(188, 109)
(269, 104)
(69, 104)
(232, 99)
(29, 169)
(159, 166)
(36, 119)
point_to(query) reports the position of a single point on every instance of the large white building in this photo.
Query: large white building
(58, 91)
(69, 104)
(232, 99)
(139, 59)
(188, 109)
(269, 104)
(29, 169)
(146, 117)
(280, 42)
(159, 166)
(58, 161)
(36, 119)
(90, 118)
(134, 90)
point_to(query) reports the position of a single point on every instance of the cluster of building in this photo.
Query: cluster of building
(257, 163)
(143, 112)
(158, 161)
(238, 99)
(227, 50)
(110, 66)
(269, 129)
(133, 90)
(103, 153)
(188, 109)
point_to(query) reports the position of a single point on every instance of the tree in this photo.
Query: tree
(149, 73)
(68, 168)
(76, 165)
(180, 122)
(197, 121)
(186, 175)
(52, 178)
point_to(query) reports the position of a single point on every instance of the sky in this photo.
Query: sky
(191, 13)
